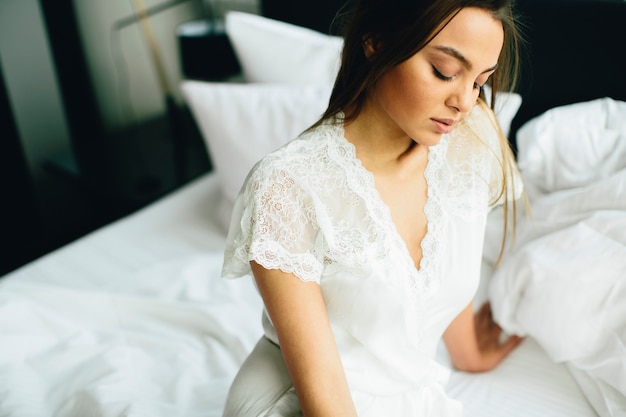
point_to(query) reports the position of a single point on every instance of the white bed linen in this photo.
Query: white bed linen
(128, 321)
(133, 320)
(565, 281)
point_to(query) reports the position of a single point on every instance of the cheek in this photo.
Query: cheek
(407, 88)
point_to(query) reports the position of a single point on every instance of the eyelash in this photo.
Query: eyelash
(439, 75)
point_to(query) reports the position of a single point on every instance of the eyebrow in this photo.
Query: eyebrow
(459, 56)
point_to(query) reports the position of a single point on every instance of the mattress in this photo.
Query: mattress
(134, 320)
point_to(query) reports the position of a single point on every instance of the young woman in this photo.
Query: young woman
(365, 234)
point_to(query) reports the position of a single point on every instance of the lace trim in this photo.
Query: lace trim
(425, 279)
(273, 256)
(455, 173)
(273, 224)
(433, 242)
(474, 153)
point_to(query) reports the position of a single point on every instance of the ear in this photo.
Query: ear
(368, 46)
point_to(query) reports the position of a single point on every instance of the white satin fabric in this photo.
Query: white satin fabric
(311, 209)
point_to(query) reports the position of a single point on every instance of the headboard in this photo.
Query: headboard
(575, 50)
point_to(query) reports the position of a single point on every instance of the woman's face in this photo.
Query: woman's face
(424, 96)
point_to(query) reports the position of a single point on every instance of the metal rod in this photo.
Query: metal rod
(127, 21)
(152, 46)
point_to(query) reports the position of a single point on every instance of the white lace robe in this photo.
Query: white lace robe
(311, 209)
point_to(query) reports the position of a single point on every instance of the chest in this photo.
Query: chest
(406, 199)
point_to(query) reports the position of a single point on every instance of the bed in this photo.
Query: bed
(134, 319)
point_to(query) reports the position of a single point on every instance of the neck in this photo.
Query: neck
(380, 144)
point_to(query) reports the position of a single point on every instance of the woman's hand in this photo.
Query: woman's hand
(488, 336)
(474, 340)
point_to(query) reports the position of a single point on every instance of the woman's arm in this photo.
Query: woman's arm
(299, 315)
(473, 340)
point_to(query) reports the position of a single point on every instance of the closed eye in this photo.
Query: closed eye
(439, 75)
(483, 81)
(443, 77)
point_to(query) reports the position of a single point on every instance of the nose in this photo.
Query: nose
(463, 98)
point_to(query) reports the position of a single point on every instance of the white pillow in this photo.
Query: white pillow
(241, 123)
(278, 52)
(573, 145)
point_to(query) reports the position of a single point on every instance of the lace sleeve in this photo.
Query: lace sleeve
(274, 223)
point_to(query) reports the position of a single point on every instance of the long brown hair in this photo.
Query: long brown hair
(401, 28)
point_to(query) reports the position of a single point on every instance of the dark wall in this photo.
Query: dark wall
(20, 231)
(86, 129)
(573, 53)
(317, 15)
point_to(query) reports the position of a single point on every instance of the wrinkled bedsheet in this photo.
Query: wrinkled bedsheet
(563, 281)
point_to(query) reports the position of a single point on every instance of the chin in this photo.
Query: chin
(429, 139)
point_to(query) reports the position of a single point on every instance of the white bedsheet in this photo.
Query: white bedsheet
(564, 284)
(133, 320)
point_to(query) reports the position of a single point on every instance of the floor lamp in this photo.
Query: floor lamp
(142, 17)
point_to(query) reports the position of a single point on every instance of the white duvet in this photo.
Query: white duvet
(131, 320)
(564, 281)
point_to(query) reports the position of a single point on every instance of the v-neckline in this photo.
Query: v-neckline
(430, 206)
(395, 232)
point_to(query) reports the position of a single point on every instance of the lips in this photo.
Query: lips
(444, 126)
